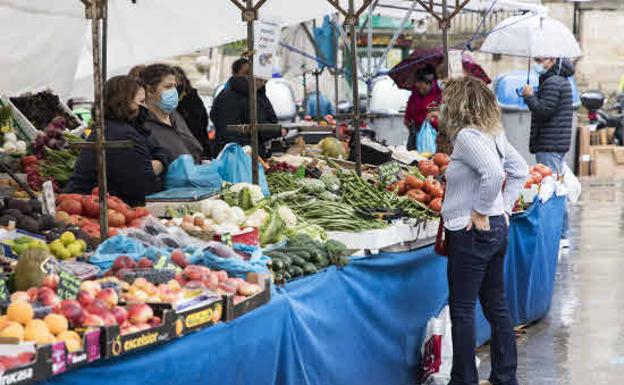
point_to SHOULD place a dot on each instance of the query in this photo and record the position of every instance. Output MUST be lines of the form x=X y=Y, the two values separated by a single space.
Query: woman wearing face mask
x=132 y=173
x=163 y=122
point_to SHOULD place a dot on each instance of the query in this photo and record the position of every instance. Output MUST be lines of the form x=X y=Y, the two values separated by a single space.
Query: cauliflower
x=257 y=219
x=287 y=215
x=255 y=190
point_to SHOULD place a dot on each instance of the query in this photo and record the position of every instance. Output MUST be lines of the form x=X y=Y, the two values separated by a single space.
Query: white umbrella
x=532 y=36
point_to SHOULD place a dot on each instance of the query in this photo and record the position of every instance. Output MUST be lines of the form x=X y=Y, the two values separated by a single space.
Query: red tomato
x=413 y=182
x=436 y=205
x=418 y=195
x=441 y=159
x=537 y=178
x=431 y=184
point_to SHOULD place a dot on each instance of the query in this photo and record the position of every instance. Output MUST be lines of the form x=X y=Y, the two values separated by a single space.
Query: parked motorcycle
x=613 y=116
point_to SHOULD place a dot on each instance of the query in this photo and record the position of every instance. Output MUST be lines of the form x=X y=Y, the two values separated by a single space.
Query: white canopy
x=46 y=44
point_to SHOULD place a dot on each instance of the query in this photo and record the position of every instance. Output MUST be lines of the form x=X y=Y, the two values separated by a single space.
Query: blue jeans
x=556 y=162
x=475 y=270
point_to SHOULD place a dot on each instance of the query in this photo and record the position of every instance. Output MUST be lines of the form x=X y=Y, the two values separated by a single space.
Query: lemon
x=83 y=244
x=75 y=249
x=64 y=253
x=68 y=238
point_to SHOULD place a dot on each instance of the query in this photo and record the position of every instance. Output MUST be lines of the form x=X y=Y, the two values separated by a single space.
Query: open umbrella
x=404 y=73
x=532 y=36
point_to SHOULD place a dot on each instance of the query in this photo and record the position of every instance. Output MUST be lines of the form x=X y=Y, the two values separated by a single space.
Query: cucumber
x=298 y=261
x=322 y=263
x=277 y=265
x=309 y=269
x=296 y=271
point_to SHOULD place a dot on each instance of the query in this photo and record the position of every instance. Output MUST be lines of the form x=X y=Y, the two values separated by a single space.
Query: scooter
x=594 y=102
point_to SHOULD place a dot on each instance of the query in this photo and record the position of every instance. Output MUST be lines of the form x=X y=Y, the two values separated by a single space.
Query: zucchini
x=296 y=271
x=322 y=263
x=309 y=269
x=277 y=265
x=298 y=261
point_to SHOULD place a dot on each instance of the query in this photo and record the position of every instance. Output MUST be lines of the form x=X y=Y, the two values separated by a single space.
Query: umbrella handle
x=529 y=72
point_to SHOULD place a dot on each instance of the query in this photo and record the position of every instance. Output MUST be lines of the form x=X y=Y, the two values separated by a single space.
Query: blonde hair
x=468 y=102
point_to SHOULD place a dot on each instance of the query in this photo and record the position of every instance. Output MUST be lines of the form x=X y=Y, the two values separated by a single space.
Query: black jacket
x=129 y=172
x=231 y=107
x=195 y=115
x=552 y=110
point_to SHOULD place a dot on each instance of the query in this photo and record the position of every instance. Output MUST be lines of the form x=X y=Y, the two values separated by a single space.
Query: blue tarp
x=363 y=324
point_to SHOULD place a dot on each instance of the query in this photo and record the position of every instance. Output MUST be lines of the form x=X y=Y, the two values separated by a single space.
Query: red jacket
x=416 y=111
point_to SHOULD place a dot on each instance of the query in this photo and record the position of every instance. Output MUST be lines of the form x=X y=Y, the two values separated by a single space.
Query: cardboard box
x=233 y=311
x=37 y=370
x=63 y=360
x=197 y=317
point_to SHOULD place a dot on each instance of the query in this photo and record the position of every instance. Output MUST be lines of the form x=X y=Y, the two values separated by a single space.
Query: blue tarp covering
x=507 y=87
x=363 y=324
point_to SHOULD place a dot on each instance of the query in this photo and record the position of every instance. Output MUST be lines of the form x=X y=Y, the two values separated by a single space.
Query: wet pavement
x=581 y=341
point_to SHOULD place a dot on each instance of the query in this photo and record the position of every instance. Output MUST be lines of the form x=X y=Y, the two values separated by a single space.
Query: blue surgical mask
x=168 y=100
x=539 y=69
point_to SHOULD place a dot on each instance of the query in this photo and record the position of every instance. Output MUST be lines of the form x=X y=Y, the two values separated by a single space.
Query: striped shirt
x=479 y=165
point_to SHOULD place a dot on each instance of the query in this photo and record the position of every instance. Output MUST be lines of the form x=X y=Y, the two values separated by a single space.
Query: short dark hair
x=153 y=74
x=238 y=65
x=183 y=81
x=119 y=92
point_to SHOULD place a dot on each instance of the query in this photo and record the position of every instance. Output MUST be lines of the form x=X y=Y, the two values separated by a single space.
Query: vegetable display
x=42 y=108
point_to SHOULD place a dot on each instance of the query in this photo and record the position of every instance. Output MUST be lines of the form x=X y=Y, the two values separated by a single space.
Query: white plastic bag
x=437 y=350
x=572 y=184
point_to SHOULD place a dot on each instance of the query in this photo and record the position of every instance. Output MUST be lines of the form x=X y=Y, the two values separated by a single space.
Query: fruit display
x=22 y=243
x=67 y=246
x=8 y=362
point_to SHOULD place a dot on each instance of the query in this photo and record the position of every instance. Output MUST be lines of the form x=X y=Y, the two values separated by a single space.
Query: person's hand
x=158 y=167
x=527 y=91
x=479 y=222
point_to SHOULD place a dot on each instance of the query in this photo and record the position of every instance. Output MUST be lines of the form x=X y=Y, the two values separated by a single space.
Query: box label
x=69 y=285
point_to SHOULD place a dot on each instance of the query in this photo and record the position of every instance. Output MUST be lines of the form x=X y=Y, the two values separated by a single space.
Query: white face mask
x=539 y=68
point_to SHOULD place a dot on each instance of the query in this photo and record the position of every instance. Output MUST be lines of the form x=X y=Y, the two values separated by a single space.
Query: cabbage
x=331 y=147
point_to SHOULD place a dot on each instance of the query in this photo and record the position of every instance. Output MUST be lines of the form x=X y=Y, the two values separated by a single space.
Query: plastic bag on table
x=437 y=350
x=235 y=167
x=426 y=138
x=253 y=261
x=153 y=233
x=183 y=172
x=109 y=250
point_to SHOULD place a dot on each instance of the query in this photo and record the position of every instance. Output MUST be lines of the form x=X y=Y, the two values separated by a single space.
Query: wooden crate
x=607 y=161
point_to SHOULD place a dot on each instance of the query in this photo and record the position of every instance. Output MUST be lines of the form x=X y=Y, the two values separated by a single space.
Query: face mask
x=168 y=100
x=539 y=69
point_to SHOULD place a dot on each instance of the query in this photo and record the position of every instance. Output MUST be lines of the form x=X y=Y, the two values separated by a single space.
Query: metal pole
x=356 y=92
x=105 y=41
x=305 y=92
x=336 y=71
x=369 y=59
x=445 y=39
x=253 y=112
x=317 y=73
x=100 y=152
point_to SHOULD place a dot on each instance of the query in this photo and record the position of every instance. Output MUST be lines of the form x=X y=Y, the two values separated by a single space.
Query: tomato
x=431 y=170
x=70 y=206
x=543 y=170
x=418 y=195
x=436 y=205
x=528 y=183
x=141 y=212
x=116 y=219
x=413 y=182
x=91 y=206
x=437 y=192
x=431 y=184
x=28 y=161
x=63 y=197
x=441 y=159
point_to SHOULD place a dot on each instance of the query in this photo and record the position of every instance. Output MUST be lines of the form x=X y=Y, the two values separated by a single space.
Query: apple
x=48 y=297
x=120 y=314
x=109 y=297
x=140 y=283
x=228 y=288
x=181 y=279
x=92 y=287
x=85 y=298
x=98 y=307
x=150 y=288
x=193 y=273
x=124 y=262
x=174 y=285
x=32 y=293
x=109 y=319
x=73 y=312
x=51 y=281
x=145 y=263
x=92 y=320
x=144 y=326
x=20 y=296
x=211 y=281
x=178 y=257
x=223 y=275
x=129 y=330
x=140 y=313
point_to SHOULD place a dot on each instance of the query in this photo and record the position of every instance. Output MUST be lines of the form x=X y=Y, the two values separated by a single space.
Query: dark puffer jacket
x=552 y=110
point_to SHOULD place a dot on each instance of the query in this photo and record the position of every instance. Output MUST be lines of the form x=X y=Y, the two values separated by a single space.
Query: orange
x=20 y=312
x=12 y=330
x=56 y=323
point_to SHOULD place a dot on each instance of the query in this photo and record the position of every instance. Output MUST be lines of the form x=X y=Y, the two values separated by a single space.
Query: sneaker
x=564 y=243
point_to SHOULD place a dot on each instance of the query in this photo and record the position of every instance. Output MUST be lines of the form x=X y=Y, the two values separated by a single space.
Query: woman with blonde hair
x=483 y=181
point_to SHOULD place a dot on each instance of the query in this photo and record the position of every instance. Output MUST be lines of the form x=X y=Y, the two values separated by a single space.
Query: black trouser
x=475 y=269
x=411 y=139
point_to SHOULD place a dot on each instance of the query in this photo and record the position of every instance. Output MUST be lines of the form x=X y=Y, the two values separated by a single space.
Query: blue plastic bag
x=183 y=172
x=235 y=167
x=235 y=267
x=109 y=250
x=426 y=138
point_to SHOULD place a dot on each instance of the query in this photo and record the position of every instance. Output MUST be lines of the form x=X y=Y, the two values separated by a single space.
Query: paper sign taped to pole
x=267 y=36
x=456 y=68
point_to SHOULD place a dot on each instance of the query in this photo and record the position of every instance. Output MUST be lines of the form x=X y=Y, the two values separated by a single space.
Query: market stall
x=359 y=324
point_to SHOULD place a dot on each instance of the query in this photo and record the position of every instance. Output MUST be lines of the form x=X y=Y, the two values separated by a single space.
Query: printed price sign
x=4 y=290
x=49 y=200
x=389 y=172
x=50 y=266
x=267 y=35
x=69 y=285
x=163 y=263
